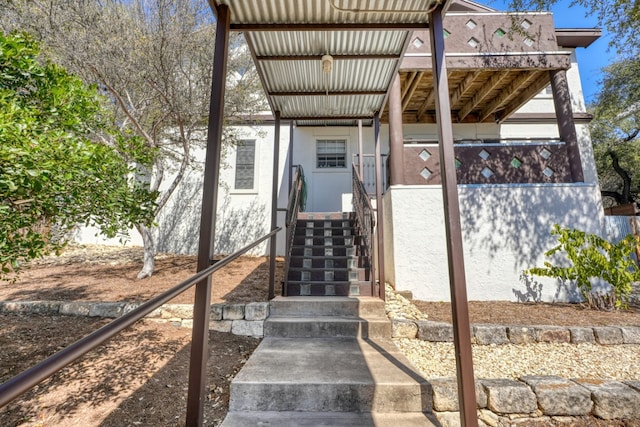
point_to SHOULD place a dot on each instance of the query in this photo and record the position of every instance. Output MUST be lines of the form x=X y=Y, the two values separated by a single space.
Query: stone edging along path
x=239 y=319
x=530 y=400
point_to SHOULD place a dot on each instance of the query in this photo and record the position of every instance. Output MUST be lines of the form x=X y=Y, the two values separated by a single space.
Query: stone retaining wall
x=239 y=319
x=499 y=334
x=540 y=401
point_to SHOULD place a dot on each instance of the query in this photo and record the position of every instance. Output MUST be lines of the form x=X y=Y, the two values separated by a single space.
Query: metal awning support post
x=379 y=213
x=290 y=156
x=201 y=309
x=455 y=253
x=566 y=124
x=360 y=150
x=274 y=206
x=396 y=137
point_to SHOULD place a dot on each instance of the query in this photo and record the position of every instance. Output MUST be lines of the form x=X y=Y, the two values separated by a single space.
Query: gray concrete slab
x=326 y=419
x=333 y=374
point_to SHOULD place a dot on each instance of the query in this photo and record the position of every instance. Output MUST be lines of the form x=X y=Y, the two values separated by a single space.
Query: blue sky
x=591 y=59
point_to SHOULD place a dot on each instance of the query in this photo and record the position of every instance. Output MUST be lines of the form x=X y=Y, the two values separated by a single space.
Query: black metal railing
x=33 y=376
x=297 y=200
x=364 y=222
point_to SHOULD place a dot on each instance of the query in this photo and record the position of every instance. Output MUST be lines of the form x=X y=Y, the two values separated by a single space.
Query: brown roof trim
x=582 y=118
x=577 y=37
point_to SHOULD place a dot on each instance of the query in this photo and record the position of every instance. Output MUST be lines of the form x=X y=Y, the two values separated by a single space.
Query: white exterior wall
x=506 y=230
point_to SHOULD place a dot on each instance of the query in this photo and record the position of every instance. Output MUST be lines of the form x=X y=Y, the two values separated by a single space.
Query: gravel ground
x=620 y=362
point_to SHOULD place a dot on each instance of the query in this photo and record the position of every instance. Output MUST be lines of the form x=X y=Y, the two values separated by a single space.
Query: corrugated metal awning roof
x=365 y=38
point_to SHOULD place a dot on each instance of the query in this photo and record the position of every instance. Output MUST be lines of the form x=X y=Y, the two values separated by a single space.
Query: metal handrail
x=293 y=208
x=24 y=381
x=365 y=221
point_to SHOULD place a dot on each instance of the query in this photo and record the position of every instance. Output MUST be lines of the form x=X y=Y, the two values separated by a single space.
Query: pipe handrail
x=293 y=207
x=23 y=382
x=365 y=221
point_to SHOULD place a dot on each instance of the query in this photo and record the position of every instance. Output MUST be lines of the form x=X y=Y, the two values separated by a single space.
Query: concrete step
x=302 y=240
x=326 y=327
x=328 y=419
x=302 y=306
x=329 y=251
x=324 y=231
x=306 y=216
x=328 y=262
x=328 y=274
x=329 y=375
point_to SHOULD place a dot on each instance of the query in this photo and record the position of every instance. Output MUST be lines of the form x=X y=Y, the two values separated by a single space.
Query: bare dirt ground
x=140 y=377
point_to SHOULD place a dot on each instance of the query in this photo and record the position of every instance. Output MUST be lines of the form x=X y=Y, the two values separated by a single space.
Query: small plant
x=592 y=257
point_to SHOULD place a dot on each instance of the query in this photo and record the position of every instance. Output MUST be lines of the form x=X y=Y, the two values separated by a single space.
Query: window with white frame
x=245 y=164
x=331 y=153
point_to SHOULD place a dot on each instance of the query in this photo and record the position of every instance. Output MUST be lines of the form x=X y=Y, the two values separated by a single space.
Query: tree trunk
x=149 y=251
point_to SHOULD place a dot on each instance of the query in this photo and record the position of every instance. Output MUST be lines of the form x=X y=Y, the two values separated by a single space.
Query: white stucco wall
x=506 y=230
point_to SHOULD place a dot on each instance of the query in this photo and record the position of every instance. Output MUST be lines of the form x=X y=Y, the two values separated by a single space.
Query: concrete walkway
x=328 y=361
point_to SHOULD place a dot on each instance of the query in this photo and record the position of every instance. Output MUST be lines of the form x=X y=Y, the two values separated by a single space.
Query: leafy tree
x=615 y=132
x=54 y=174
x=153 y=60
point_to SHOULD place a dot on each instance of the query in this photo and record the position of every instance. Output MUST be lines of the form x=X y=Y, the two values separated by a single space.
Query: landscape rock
x=216 y=311
x=613 y=399
x=180 y=311
x=445 y=394
x=233 y=312
x=106 y=309
x=552 y=334
x=490 y=334
x=250 y=328
x=220 y=325
x=608 y=335
x=256 y=311
x=581 y=335
x=401 y=328
x=435 y=331
x=559 y=396
x=509 y=396
x=630 y=334
x=521 y=334
x=75 y=308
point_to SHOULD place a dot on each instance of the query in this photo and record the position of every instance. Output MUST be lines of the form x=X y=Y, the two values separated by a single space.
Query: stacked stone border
x=482 y=334
x=541 y=401
x=528 y=401
x=239 y=319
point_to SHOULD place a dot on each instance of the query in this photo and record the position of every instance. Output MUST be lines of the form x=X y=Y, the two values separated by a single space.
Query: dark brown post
x=360 y=151
x=455 y=254
x=396 y=138
x=274 y=207
x=566 y=125
x=200 y=334
x=379 y=214
x=290 y=156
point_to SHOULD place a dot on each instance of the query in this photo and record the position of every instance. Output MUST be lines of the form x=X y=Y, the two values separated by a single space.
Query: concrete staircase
x=328 y=361
x=326 y=257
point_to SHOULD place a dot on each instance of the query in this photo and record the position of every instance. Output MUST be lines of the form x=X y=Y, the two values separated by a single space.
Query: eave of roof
x=577 y=37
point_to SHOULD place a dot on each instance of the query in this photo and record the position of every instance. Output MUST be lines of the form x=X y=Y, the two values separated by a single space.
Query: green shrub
x=591 y=257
